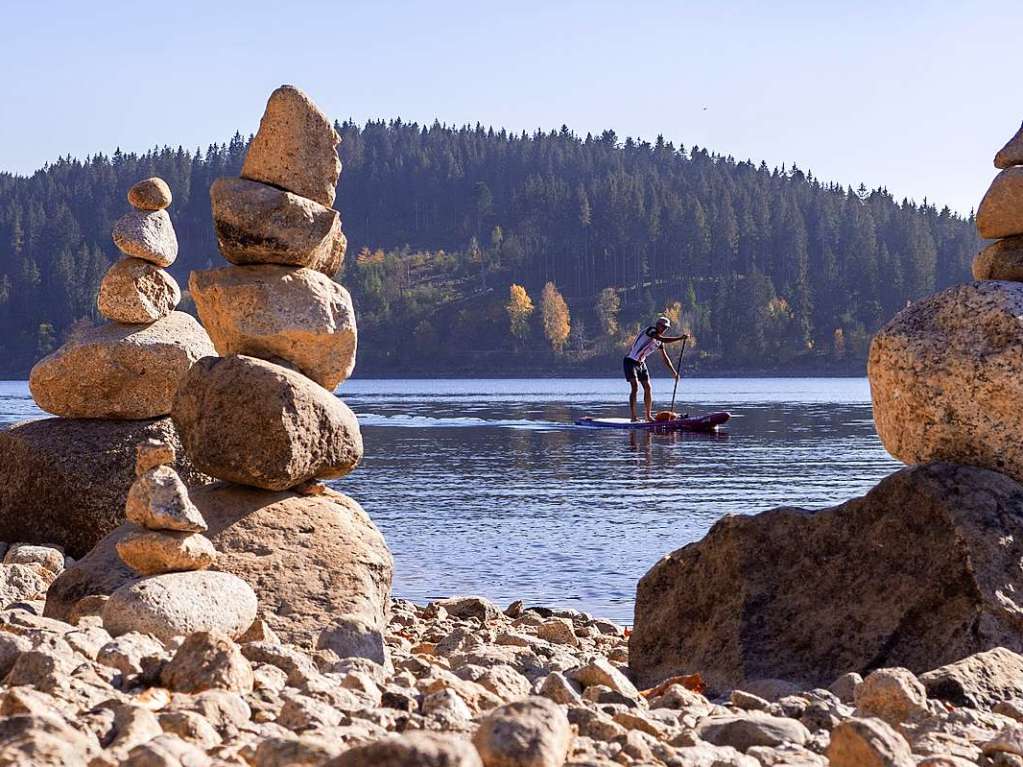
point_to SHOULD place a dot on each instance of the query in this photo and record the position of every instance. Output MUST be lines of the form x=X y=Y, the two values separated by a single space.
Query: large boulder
x=260 y=224
x=295 y=147
x=65 y=481
x=249 y=421
x=298 y=315
x=120 y=371
x=309 y=558
x=946 y=378
x=920 y=572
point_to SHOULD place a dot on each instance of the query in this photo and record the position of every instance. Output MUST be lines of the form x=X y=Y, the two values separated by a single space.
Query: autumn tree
x=556 y=321
x=608 y=306
x=520 y=309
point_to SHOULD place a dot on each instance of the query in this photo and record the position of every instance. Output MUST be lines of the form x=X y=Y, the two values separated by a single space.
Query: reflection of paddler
x=647 y=342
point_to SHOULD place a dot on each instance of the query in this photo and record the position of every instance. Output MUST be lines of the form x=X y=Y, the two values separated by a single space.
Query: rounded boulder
x=136 y=292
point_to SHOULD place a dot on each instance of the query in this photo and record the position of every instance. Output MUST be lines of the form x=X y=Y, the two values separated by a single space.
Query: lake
x=486 y=487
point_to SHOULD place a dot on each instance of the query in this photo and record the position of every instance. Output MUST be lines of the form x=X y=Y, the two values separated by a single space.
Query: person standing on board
x=647 y=342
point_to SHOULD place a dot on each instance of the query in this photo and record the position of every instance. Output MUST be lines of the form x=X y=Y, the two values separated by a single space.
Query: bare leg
x=632 y=399
x=648 y=400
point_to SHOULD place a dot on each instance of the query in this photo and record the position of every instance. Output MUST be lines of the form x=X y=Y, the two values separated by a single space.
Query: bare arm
x=667 y=361
x=672 y=339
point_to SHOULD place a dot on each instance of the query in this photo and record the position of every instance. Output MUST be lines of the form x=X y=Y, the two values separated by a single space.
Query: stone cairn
x=264 y=414
x=176 y=595
x=130 y=367
x=946 y=373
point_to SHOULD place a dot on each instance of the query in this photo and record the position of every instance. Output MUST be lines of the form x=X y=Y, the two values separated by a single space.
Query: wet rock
x=1000 y=213
x=277 y=312
x=260 y=224
x=309 y=557
x=304 y=431
x=295 y=147
x=152 y=552
x=530 y=733
x=1001 y=260
x=752 y=599
x=868 y=743
x=66 y=481
x=148 y=235
x=120 y=371
x=134 y=291
x=179 y=604
x=206 y=661
x=945 y=375
x=979 y=681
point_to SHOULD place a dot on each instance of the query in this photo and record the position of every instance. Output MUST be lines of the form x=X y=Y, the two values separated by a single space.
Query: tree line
x=453 y=230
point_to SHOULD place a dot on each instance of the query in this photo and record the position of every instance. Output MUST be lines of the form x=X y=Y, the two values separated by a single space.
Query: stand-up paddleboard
x=708 y=422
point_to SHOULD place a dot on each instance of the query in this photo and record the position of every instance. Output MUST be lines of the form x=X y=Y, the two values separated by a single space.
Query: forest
x=475 y=251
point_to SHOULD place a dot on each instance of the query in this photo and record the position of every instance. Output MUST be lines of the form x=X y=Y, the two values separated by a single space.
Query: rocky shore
x=459 y=683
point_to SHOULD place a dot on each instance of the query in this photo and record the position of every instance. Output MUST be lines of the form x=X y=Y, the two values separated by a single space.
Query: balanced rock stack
x=1000 y=217
x=129 y=368
x=946 y=373
x=65 y=480
x=264 y=415
x=176 y=595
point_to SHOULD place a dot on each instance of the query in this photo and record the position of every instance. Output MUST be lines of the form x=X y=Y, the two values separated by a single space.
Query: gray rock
x=208 y=660
x=752 y=728
x=534 y=732
x=260 y=224
x=753 y=599
x=412 y=749
x=600 y=671
x=50 y=558
x=979 y=681
x=148 y=235
x=20 y=582
x=179 y=604
x=469 y=607
x=158 y=500
x=66 y=481
x=352 y=637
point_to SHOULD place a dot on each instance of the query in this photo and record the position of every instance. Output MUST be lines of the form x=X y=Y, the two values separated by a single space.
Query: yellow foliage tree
x=608 y=306
x=556 y=321
x=520 y=309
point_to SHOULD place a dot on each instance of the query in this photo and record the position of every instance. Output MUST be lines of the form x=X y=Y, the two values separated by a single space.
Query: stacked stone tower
x=946 y=373
x=264 y=414
x=165 y=544
x=130 y=367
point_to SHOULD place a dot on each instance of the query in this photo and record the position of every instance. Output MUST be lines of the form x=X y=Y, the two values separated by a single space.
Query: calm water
x=485 y=487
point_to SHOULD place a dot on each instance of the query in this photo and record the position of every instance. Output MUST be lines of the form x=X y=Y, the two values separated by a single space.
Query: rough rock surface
x=946 y=378
x=135 y=292
x=148 y=235
x=297 y=315
x=868 y=743
x=151 y=552
x=310 y=558
x=120 y=371
x=66 y=481
x=260 y=224
x=1002 y=260
x=150 y=194
x=1000 y=213
x=178 y=604
x=295 y=147
x=978 y=681
x=532 y=733
x=305 y=432
x=422 y=749
x=808 y=595
x=1012 y=153
x=158 y=500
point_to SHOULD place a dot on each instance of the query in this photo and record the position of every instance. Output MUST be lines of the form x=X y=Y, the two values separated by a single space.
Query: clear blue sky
x=916 y=96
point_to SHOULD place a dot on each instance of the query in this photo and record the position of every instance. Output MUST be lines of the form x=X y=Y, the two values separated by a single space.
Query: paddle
x=670 y=414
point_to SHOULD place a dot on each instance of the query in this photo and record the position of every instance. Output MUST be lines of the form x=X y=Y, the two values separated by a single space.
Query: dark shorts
x=635 y=371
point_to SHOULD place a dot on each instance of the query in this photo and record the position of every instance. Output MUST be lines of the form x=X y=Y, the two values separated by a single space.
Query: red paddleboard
x=708 y=422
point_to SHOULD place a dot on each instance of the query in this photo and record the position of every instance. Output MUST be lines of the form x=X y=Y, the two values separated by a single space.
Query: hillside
x=769 y=269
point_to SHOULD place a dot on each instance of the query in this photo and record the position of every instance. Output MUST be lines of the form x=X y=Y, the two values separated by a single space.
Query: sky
x=913 y=96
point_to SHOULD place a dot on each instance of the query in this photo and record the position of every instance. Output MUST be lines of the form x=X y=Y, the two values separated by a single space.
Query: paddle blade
x=666 y=415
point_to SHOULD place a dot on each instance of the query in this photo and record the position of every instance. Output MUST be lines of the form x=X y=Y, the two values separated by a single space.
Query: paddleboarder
x=647 y=342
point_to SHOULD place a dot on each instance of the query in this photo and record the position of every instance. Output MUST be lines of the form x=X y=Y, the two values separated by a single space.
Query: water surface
x=486 y=487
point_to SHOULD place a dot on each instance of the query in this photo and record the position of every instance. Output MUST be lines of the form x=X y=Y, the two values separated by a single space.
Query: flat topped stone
x=158 y=500
x=148 y=235
x=153 y=452
x=120 y=371
x=136 y=292
x=151 y=552
x=1000 y=213
x=1001 y=260
x=295 y=147
x=150 y=194
x=1012 y=153
x=297 y=315
x=260 y=224
x=180 y=604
